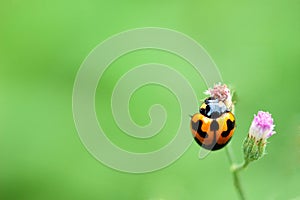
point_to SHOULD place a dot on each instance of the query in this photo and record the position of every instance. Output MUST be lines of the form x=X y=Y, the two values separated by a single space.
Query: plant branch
x=235 y=169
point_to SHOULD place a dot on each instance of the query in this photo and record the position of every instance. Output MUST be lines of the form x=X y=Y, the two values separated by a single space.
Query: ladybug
x=214 y=125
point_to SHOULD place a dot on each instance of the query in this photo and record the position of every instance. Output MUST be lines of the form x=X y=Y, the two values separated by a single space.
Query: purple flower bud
x=262 y=126
x=261 y=129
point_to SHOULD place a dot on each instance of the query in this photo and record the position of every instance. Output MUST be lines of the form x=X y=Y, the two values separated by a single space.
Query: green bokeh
x=42 y=44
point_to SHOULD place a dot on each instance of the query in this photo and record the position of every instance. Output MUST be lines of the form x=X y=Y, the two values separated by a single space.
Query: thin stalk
x=235 y=169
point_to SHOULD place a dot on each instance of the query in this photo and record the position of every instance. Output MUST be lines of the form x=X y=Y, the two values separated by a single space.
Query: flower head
x=262 y=127
x=222 y=93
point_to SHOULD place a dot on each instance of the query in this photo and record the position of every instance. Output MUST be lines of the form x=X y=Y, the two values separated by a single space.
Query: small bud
x=261 y=129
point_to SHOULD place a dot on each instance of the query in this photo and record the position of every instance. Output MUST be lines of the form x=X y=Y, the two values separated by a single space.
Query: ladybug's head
x=213 y=108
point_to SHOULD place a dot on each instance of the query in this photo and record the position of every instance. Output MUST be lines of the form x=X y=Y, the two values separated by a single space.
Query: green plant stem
x=235 y=168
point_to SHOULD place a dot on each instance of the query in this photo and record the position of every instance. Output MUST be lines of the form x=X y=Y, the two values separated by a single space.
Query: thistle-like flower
x=261 y=129
x=222 y=93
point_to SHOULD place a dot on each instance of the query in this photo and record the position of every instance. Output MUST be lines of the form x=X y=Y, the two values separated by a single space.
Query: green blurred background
x=42 y=44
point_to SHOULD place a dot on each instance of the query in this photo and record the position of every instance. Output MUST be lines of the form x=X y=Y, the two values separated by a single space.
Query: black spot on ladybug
x=230 y=126
x=215 y=115
x=197 y=127
x=205 y=111
x=202 y=111
x=214 y=126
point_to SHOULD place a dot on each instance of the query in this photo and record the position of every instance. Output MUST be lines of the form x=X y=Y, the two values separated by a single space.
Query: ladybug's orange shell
x=212 y=134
